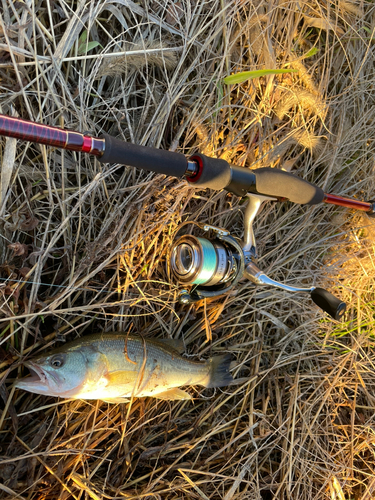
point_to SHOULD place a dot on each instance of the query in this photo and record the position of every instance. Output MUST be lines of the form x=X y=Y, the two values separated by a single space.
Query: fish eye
x=57 y=361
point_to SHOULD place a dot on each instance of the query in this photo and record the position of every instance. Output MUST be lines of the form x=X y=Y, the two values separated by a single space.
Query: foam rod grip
x=274 y=182
x=329 y=303
x=143 y=157
x=214 y=173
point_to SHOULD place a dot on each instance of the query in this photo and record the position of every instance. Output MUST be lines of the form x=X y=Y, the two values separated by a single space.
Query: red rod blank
x=345 y=202
x=50 y=136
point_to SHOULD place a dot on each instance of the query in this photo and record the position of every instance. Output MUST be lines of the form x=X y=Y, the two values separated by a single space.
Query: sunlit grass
x=301 y=426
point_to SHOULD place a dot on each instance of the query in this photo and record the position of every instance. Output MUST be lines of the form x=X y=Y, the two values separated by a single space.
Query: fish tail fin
x=219 y=374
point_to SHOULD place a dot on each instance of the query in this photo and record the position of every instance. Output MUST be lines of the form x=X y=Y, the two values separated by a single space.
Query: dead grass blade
x=7 y=167
x=84 y=246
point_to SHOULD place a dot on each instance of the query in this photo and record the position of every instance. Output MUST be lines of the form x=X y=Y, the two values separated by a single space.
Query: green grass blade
x=310 y=53
x=86 y=47
x=249 y=75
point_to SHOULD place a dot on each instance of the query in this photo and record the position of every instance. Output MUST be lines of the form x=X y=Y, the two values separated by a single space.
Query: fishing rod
x=208 y=267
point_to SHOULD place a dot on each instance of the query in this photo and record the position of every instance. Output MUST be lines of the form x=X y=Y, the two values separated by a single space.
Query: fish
x=115 y=367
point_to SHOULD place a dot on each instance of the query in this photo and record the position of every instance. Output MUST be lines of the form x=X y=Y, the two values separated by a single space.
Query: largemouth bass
x=115 y=367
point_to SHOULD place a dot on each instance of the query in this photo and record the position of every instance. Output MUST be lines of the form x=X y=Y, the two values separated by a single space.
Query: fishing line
x=93 y=289
x=99 y=290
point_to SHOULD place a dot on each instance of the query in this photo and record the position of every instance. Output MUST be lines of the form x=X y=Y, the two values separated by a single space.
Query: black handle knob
x=371 y=213
x=329 y=303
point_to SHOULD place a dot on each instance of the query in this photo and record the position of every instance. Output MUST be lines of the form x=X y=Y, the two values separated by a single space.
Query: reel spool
x=198 y=261
x=210 y=267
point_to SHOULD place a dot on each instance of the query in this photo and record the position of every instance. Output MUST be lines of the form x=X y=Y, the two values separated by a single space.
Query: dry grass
x=89 y=244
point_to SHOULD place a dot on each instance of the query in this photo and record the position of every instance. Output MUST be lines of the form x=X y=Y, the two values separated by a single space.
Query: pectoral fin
x=116 y=400
x=121 y=377
x=173 y=395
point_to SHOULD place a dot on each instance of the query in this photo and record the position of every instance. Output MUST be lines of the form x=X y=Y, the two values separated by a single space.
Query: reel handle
x=325 y=300
x=329 y=303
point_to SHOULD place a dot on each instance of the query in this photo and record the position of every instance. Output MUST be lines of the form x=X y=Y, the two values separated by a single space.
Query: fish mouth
x=37 y=376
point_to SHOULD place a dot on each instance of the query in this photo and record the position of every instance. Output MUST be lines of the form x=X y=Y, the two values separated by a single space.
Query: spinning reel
x=213 y=267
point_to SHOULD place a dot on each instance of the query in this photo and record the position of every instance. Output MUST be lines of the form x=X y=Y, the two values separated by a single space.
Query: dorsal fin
x=175 y=344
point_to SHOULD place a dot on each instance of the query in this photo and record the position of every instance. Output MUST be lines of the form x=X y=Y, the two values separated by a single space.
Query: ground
x=88 y=245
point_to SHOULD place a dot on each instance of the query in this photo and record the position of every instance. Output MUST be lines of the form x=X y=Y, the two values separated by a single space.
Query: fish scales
x=164 y=367
x=115 y=366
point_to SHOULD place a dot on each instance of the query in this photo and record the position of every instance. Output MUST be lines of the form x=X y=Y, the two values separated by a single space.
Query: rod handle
x=329 y=303
x=275 y=182
x=143 y=157
x=218 y=174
